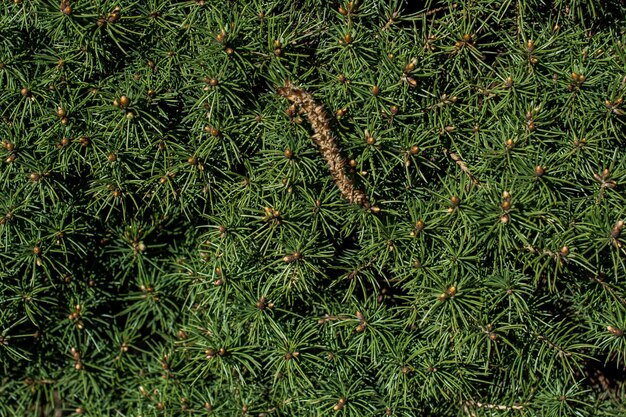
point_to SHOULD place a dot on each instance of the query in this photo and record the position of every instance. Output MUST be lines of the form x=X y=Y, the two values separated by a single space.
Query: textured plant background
x=172 y=242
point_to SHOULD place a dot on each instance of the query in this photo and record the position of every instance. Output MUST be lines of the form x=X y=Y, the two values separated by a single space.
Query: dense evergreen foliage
x=312 y=208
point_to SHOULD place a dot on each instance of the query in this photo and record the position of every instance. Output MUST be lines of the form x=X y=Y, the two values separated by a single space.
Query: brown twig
x=456 y=158
x=559 y=349
x=326 y=143
x=611 y=291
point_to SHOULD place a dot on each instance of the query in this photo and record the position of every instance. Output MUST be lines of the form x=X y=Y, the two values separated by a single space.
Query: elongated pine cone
x=326 y=142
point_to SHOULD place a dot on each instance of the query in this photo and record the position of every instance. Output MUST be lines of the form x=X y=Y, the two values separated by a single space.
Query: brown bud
x=114 y=15
x=455 y=201
x=606 y=173
x=615 y=331
x=452 y=291
x=375 y=90
x=288 y=153
x=564 y=251
x=61 y=112
x=539 y=170
x=112 y=157
x=340 y=404
x=360 y=316
x=616 y=232
x=124 y=101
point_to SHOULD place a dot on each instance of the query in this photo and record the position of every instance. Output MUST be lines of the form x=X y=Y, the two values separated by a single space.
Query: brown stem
x=610 y=290
x=560 y=350
x=456 y=158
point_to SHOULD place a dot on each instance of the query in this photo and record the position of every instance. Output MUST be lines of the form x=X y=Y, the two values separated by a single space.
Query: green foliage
x=172 y=242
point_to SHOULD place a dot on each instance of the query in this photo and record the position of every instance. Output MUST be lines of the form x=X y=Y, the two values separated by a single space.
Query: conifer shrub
x=312 y=208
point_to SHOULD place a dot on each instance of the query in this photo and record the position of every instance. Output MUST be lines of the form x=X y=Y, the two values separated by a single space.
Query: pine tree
x=312 y=208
